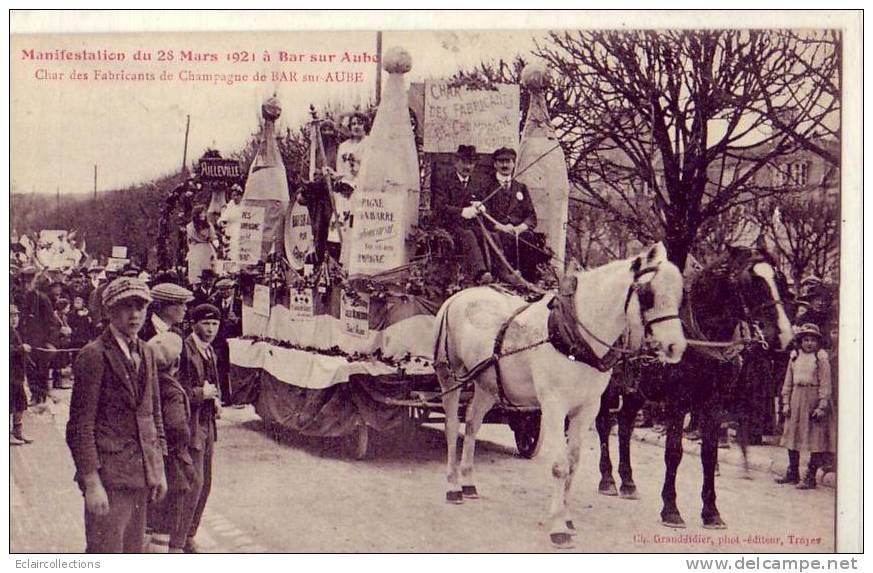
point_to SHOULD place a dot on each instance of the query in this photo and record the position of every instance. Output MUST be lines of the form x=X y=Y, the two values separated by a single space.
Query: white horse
x=639 y=296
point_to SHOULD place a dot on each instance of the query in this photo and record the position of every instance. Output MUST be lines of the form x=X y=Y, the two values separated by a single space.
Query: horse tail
x=441 y=340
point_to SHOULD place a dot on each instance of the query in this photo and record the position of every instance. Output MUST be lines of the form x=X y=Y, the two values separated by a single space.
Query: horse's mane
x=709 y=292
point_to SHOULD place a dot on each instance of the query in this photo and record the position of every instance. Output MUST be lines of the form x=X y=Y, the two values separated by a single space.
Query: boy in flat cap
x=199 y=378
x=169 y=305
x=115 y=432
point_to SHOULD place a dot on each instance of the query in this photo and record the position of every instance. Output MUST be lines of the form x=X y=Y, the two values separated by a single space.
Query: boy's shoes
x=807 y=483
x=788 y=478
x=13 y=441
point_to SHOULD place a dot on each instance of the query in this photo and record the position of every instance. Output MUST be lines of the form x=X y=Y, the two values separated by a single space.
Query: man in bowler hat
x=455 y=201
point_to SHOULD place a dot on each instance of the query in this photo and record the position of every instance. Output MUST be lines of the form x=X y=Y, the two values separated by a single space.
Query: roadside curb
x=766 y=459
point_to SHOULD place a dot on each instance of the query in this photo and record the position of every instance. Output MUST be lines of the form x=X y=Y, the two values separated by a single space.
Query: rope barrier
x=41 y=349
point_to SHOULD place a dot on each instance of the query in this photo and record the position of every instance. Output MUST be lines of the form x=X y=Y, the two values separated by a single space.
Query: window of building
x=799 y=173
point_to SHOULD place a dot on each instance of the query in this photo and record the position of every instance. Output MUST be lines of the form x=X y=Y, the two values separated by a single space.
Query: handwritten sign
x=116 y=263
x=226 y=266
x=301 y=306
x=298 y=237
x=251 y=233
x=355 y=315
x=378 y=237
x=261 y=300
x=484 y=118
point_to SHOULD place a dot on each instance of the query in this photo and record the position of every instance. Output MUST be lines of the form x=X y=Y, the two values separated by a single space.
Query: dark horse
x=732 y=310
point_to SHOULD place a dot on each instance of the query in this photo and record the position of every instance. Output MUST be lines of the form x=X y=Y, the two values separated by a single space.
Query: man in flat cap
x=169 y=304
x=229 y=303
x=512 y=215
x=456 y=199
x=38 y=325
x=198 y=375
x=115 y=432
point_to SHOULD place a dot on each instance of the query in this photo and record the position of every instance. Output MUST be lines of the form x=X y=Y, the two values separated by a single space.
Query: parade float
x=336 y=350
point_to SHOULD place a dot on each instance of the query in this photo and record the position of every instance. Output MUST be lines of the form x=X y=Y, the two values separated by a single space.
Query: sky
x=134 y=131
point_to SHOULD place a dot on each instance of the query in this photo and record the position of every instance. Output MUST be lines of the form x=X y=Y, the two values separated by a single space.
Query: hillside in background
x=126 y=217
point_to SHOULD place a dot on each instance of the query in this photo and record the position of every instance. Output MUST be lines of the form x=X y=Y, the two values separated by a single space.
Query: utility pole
x=378 y=67
x=185 y=151
x=95 y=182
x=58 y=206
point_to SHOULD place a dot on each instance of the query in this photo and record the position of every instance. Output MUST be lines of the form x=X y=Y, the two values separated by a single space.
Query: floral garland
x=376 y=356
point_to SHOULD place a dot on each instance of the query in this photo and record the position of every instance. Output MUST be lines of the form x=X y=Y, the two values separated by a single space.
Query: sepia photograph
x=413 y=283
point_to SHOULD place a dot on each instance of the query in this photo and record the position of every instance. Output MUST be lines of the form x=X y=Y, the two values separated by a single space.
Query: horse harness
x=563 y=333
x=745 y=334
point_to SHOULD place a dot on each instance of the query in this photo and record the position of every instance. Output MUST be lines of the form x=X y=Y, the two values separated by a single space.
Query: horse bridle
x=757 y=335
x=646 y=296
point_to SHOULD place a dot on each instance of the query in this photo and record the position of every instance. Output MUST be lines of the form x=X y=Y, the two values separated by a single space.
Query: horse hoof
x=607 y=488
x=714 y=522
x=673 y=520
x=629 y=493
x=562 y=540
x=469 y=491
x=455 y=497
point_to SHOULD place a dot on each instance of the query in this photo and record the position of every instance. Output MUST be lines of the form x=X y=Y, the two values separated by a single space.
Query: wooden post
x=185 y=150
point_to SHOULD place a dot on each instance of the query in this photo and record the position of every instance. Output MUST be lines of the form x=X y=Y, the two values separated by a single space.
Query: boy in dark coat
x=115 y=432
x=199 y=377
x=166 y=518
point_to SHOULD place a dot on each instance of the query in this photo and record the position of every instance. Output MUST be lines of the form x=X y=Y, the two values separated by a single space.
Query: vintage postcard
x=501 y=282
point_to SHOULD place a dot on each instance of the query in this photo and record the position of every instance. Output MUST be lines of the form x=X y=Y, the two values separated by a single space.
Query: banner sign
x=298 y=237
x=116 y=263
x=261 y=300
x=355 y=315
x=300 y=305
x=226 y=266
x=251 y=233
x=454 y=115
x=378 y=243
x=213 y=169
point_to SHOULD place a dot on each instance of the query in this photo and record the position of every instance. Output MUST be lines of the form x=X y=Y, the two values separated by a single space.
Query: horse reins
x=493 y=360
x=756 y=335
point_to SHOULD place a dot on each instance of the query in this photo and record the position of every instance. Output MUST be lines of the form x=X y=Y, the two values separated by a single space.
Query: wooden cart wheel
x=357 y=444
x=526 y=428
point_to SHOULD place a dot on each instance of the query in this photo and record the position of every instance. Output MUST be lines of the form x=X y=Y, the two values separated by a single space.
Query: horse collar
x=564 y=335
